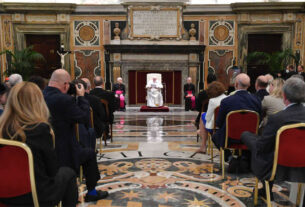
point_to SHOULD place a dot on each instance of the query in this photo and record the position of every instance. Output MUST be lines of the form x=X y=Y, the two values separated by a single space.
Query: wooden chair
x=210 y=143
x=17 y=170
x=289 y=152
x=236 y=123
x=106 y=104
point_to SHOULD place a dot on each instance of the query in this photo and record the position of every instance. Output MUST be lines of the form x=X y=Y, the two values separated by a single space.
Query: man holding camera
x=65 y=113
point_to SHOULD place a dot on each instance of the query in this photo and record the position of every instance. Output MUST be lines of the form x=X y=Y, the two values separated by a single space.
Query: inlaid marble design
x=150 y=164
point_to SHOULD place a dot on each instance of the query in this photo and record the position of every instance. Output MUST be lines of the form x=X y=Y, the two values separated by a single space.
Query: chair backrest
x=239 y=121
x=105 y=102
x=16 y=170
x=91 y=118
x=216 y=110
x=289 y=147
x=150 y=76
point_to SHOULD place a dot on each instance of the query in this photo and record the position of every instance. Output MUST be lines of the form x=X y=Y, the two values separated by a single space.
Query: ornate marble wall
x=85 y=29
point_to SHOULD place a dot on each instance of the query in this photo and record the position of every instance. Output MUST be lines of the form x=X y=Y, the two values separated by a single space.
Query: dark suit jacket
x=260 y=94
x=118 y=86
x=189 y=87
x=65 y=113
x=202 y=98
x=262 y=147
x=99 y=114
x=109 y=96
x=46 y=166
x=240 y=100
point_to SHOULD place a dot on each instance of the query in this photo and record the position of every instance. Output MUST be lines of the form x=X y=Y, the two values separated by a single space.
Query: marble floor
x=149 y=164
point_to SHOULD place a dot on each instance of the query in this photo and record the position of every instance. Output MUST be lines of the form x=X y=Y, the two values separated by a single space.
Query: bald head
x=242 y=81
x=60 y=79
x=60 y=75
x=88 y=88
x=261 y=82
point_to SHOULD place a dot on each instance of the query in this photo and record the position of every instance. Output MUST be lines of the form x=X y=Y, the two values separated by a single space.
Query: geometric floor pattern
x=149 y=164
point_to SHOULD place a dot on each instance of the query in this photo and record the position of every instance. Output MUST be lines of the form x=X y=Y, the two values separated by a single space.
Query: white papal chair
x=150 y=76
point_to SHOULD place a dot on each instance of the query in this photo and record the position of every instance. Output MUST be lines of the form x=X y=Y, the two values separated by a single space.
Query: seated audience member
x=189 y=95
x=260 y=86
x=39 y=81
x=215 y=93
x=65 y=113
x=269 y=78
x=301 y=71
x=119 y=91
x=274 y=102
x=25 y=119
x=99 y=112
x=241 y=99
x=100 y=92
x=202 y=99
x=3 y=96
x=14 y=79
x=262 y=147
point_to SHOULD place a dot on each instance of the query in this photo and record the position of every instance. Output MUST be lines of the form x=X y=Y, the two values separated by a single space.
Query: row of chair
x=289 y=147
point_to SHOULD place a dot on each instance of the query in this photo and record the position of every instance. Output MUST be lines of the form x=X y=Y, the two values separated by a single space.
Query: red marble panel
x=220 y=61
x=87 y=62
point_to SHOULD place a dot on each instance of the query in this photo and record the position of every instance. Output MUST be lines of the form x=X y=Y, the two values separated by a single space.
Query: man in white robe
x=154 y=96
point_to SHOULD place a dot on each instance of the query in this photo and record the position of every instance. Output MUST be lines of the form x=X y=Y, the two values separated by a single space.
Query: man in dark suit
x=262 y=147
x=301 y=71
x=261 y=84
x=65 y=113
x=119 y=91
x=189 y=95
x=103 y=94
x=241 y=99
x=99 y=112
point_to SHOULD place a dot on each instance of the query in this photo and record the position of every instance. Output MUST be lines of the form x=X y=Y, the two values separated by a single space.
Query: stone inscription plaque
x=155 y=23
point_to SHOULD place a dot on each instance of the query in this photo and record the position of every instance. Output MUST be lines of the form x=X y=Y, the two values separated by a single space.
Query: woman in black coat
x=25 y=119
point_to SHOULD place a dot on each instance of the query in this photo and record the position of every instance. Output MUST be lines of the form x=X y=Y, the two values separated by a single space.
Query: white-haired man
x=14 y=79
x=154 y=95
x=189 y=95
x=119 y=91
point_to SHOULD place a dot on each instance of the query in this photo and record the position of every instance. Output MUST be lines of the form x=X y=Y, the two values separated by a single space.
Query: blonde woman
x=25 y=119
x=274 y=102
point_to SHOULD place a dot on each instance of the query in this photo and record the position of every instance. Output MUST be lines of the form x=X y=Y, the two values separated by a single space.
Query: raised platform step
x=154 y=109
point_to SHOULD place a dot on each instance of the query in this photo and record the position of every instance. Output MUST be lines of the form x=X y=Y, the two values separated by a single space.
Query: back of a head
x=297 y=76
x=242 y=81
x=277 y=90
x=294 y=90
x=98 y=81
x=60 y=76
x=14 y=79
x=262 y=82
x=215 y=89
x=211 y=77
x=25 y=106
x=39 y=81
x=86 y=80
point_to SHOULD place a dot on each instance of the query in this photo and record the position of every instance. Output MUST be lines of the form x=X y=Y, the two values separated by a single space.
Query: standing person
x=119 y=91
x=65 y=113
x=189 y=95
x=25 y=119
x=301 y=71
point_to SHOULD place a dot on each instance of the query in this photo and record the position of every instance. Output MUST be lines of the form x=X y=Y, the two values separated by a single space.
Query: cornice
x=207 y=9
x=61 y=8
x=268 y=6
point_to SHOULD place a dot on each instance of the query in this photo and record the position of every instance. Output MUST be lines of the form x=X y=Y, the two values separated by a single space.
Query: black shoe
x=100 y=195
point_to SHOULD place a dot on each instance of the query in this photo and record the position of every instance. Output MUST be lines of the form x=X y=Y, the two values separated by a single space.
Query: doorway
x=268 y=43
x=47 y=45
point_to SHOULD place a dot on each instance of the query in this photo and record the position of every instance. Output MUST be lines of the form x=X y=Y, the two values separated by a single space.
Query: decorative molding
x=221 y=33
x=39 y=8
x=268 y=6
x=86 y=33
x=87 y=63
